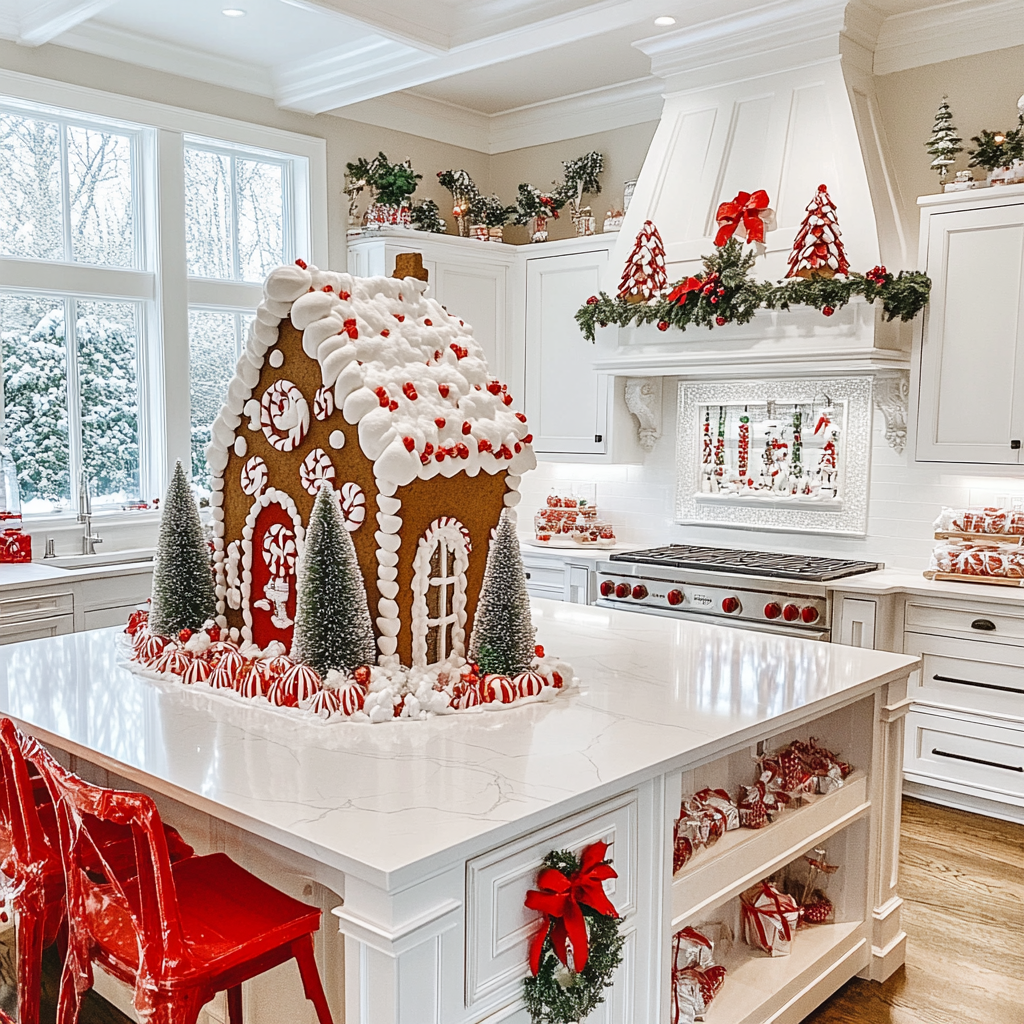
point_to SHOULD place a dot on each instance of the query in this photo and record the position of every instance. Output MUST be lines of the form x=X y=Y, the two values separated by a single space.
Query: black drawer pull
x=986 y=624
x=978 y=760
x=981 y=686
x=527 y=575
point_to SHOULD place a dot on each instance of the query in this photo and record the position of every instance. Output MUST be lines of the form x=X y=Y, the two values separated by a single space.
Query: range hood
x=781 y=97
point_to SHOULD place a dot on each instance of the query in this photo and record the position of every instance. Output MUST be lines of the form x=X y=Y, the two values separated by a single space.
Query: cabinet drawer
x=34 y=606
x=956 y=752
x=968 y=675
x=500 y=927
x=53 y=625
x=985 y=622
x=545 y=576
x=551 y=593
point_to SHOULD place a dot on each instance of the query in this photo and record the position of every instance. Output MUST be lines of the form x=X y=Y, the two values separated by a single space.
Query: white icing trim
x=452 y=536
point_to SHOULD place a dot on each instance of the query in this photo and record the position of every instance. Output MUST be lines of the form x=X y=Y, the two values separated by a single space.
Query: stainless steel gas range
x=751 y=589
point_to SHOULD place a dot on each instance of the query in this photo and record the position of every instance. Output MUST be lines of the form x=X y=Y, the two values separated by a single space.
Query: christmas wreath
x=578 y=947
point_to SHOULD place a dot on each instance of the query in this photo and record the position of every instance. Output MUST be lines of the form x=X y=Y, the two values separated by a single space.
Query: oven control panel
x=769 y=607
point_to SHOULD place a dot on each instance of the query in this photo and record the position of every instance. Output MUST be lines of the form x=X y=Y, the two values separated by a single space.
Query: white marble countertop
x=391 y=802
x=903 y=581
x=19 y=575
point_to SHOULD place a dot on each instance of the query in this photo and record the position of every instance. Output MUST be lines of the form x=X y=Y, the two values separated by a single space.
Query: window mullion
x=236 y=261
x=76 y=459
x=65 y=193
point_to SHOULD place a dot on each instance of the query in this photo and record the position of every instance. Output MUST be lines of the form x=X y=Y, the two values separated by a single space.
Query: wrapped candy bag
x=758 y=806
x=770 y=919
x=696 y=978
x=806 y=883
x=718 y=803
x=981 y=520
x=703 y=819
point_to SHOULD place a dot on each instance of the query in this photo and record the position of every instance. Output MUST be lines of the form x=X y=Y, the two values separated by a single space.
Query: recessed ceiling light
x=233 y=12
x=664 y=21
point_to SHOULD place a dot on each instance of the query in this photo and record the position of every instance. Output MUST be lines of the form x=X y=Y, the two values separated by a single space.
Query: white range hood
x=779 y=97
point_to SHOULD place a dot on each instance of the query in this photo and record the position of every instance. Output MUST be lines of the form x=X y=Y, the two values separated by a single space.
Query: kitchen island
x=423 y=837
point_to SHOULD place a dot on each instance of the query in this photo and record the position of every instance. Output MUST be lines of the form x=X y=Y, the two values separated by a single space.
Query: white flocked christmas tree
x=333 y=629
x=183 y=594
x=503 y=633
x=644 y=276
x=944 y=143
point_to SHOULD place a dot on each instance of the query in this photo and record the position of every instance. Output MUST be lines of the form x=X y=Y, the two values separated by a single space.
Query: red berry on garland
x=720 y=320
x=828 y=311
x=662 y=325
x=713 y=300
x=592 y=301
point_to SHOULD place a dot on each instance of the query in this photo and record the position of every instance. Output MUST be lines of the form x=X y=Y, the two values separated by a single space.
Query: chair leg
x=302 y=949
x=30 y=964
x=180 y=1008
x=235 y=1005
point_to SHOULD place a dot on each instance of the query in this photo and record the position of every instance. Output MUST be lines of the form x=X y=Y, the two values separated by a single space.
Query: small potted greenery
x=390 y=185
x=1001 y=154
x=581 y=177
x=491 y=215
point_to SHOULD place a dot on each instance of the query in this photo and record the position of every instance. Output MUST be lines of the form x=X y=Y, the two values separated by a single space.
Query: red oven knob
x=772 y=610
x=809 y=614
x=730 y=604
x=607 y=588
x=791 y=613
x=622 y=590
x=639 y=592
x=675 y=597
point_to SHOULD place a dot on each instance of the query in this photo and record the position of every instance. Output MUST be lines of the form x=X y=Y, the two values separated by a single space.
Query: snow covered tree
x=818 y=250
x=581 y=177
x=944 y=143
x=333 y=629
x=644 y=276
x=426 y=216
x=183 y=594
x=503 y=633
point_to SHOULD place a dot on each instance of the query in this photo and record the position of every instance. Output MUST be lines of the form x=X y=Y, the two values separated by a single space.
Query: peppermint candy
x=529 y=684
x=197 y=671
x=353 y=506
x=254 y=682
x=254 y=476
x=304 y=682
x=315 y=469
x=325 y=703
x=499 y=689
x=351 y=697
x=284 y=415
x=323 y=403
x=173 y=660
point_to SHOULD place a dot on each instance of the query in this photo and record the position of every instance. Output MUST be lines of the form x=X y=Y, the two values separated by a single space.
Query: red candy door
x=272 y=580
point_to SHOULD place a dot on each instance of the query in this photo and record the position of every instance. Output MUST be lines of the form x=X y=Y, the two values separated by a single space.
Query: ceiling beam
x=423 y=24
x=42 y=21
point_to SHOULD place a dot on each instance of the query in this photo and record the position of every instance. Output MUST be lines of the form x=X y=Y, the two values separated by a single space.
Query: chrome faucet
x=89 y=540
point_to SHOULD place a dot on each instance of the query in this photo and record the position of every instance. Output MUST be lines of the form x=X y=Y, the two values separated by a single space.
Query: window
x=439 y=592
x=110 y=314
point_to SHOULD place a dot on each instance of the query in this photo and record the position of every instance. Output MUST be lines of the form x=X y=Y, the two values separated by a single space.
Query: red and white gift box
x=770 y=919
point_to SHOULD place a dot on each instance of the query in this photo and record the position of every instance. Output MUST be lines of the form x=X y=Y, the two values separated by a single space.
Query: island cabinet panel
x=501 y=927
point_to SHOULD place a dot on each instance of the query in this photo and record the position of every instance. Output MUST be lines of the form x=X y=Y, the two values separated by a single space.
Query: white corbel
x=892 y=393
x=643 y=400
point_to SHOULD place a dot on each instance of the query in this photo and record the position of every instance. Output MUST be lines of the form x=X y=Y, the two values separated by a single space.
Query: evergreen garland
x=183 y=593
x=492 y=212
x=426 y=215
x=503 y=635
x=333 y=629
x=726 y=293
x=558 y=995
x=391 y=184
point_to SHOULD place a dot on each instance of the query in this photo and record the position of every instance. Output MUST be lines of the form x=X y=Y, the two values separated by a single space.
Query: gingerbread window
x=439 y=592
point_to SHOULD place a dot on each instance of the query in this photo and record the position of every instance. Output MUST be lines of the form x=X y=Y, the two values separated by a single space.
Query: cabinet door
x=476 y=293
x=566 y=401
x=972 y=357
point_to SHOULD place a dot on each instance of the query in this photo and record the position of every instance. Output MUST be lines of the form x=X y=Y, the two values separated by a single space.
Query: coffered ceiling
x=489 y=74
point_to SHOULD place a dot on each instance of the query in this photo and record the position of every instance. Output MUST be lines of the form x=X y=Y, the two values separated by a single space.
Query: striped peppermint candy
x=198 y=671
x=351 y=696
x=152 y=647
x=253 y=683
x=499 y=689
x=230 y=660
x=222 y=678
x=280 y=696
x=529 y=683
x=467 y=697
x=325 y=703
x=302 y=681
x=173 y=661
x=139 y=637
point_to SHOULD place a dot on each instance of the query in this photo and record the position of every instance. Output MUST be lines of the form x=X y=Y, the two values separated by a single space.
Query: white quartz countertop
x=391 y=802
x=19 y=575
x=902 y=581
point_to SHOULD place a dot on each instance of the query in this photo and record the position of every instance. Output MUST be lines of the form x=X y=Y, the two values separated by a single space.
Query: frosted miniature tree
x=332 y=618
x=503 y=634
x=818 y=249
x=944 y=143
x=183 y=594
x=644 y=275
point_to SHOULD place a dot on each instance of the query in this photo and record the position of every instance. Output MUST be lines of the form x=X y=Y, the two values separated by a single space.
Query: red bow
x=681 y=291
x=745 y=209
x=560 y=899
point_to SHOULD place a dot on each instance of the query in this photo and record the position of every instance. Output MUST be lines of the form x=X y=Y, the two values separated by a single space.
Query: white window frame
x=162 y=283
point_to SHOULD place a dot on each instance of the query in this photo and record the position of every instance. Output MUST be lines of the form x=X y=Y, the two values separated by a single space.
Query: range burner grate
x=750 y=563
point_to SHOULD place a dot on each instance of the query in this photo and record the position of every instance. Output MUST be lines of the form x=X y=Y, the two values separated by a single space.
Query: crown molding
x=948 y=31
x=567 y=117
x=117 y=44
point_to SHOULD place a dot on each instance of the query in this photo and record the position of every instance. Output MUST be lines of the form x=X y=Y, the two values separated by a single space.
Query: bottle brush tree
x=503 y=633
x=333 y=629
x=183 y=594
x=944 y=143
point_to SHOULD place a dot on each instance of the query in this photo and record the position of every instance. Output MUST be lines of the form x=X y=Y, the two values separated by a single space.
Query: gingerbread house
x=371 y=385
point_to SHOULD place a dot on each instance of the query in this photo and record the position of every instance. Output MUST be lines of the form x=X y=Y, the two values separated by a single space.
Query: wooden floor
x=962 y=881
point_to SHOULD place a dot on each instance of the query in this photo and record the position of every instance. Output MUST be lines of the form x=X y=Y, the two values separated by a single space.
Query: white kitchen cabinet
x=971 y=368
x=558 y=576
x=566 y=399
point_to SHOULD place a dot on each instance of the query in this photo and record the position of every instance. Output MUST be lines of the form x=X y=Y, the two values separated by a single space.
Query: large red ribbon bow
x=682 y=290
x=745 y=209
x=559 y=900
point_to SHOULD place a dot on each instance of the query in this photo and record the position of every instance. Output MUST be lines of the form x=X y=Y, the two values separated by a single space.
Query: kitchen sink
x=100 y=559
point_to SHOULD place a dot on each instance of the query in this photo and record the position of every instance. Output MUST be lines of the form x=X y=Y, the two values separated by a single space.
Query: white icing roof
x=390 y=352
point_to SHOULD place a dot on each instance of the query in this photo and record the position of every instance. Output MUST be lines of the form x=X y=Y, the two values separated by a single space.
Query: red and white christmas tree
x=644 y=276
x=818 y=249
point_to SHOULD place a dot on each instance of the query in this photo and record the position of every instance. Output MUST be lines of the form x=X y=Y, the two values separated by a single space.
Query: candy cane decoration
x=254 y=476
x=280 y=554
x=315 y=469
x=323 y=403
x=284 y=415
x=353 y=506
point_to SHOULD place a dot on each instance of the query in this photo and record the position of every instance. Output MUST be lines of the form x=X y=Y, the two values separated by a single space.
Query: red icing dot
x=429 y=323
x=400 y=317
x=328 y=288
x=385 y=333
x=301 y=263
x=528 y=439
x=440 y=421
x=467 y=428
x=507 y=399
x=462 y=451
x=410 y=391
x=393 y=406
x=409 y=442
x=424 y=458
x=344 y=296
x=518 y=447
x=443 y=390
x=520 y=417
x=428 y=449
x=483 y=445
x=440 y=455
x=494 y=387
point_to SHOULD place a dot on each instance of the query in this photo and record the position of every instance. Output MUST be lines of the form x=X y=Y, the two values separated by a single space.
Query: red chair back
x=29 y=854
x=138 y=897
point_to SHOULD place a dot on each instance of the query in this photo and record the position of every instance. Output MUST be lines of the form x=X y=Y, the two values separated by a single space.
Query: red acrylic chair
x=179 y=933
x=32 y=872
